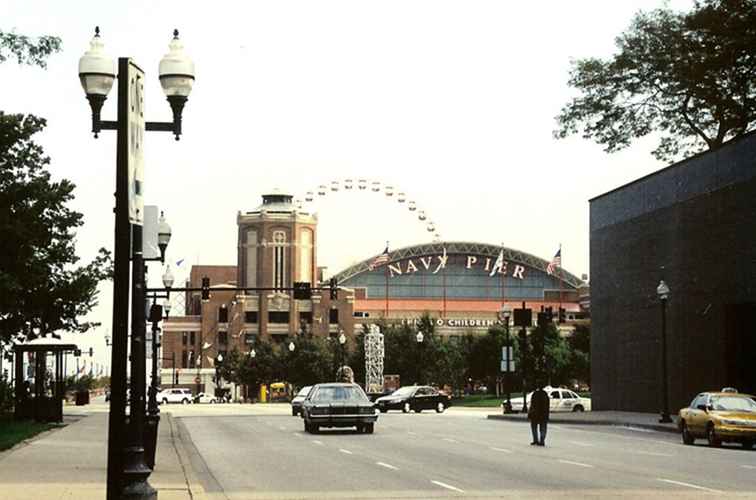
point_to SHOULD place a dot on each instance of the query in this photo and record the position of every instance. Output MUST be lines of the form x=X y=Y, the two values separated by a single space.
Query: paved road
x=263 y=452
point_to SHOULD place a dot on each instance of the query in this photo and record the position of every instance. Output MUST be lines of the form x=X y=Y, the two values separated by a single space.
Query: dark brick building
x=692 y=224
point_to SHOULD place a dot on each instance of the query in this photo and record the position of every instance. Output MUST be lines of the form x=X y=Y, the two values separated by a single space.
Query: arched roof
x=461 y=247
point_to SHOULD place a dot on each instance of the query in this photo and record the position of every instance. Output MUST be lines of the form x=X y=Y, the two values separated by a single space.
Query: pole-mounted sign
x=136 y=127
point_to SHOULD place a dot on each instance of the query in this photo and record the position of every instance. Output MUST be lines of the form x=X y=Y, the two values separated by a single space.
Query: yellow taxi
x=726 y=416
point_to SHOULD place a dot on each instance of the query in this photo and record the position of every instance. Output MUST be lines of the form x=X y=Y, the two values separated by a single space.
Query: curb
x=557 y=420
x=196 y=491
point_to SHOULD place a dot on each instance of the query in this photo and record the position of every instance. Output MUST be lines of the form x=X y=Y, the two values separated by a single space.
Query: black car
x=414 y=397
x=338 y=405
x=296 y=403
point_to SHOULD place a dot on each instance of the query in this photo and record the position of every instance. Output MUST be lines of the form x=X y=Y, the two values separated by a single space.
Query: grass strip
x=13 y=432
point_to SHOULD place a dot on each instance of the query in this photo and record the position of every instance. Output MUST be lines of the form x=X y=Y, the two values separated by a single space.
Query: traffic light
x=562 y=315
x=175 y=377
x=334 y=285
x=205 y=289
x=91 y=352
x=77 y=352
x=302 y=290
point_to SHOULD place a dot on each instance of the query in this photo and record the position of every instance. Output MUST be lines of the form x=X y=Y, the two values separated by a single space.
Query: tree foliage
x=28 y=50
x=690 y=77
x=41 y=290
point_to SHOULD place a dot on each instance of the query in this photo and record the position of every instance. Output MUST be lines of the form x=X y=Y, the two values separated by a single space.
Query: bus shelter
x=40 y=389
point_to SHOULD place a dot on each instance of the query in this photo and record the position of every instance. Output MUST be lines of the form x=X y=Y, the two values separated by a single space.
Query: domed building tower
x=276 y=248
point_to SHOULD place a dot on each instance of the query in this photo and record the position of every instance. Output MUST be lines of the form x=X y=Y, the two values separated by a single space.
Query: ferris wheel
x=372 y=187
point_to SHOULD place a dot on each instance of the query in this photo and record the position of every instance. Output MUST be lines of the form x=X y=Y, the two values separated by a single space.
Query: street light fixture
x=342 y=341
x=663 y=292
x=164 y=237
x=419 y=338
x=127 y=471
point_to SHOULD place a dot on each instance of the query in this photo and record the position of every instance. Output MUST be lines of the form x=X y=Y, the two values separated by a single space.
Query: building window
x=192 y=338
x=223 y=338
x=305 y=317
x=184 y=363
x=192 y=360
x=305 y=255
x=251 y=273
x=223 y=314
x=278 y=317
x=361 y=314
x=333 y=316
x=250 y=338
x=184 y=338
x=250 y=316
x=279 y=241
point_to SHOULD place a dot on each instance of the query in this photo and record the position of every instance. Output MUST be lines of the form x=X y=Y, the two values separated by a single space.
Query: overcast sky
x=452 y=103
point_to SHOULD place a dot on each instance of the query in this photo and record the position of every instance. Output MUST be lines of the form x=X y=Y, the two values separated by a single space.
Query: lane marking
x=651 y=453
x=636 y=429
x=579 y=443
x=576 y=463
x=450 y=440
x=282 y=428
x=447 y=486
x=679 y=483
x=342 y=450
x=412 y=433
x=502 y=450
x=388 y=466
x=749 y=466
x=317 y=442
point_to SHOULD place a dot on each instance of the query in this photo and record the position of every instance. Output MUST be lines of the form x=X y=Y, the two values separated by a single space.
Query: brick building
x=693 y=225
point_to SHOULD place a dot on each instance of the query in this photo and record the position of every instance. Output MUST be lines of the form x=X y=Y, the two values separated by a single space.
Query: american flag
x=381 y=259
x=555 y=262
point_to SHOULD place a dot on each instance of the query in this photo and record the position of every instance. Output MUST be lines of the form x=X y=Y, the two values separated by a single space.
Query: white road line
x=282 y=428
x=651 y=453
x=450 y=440
x=342 y=450
x=317 y=442
x=576 y=463
x=502 y=450
x=636 y=429
x=749 y=466
x=388 y=466
x=447 y=486
x=690 y=485
x=579 y=443
x=412 y=433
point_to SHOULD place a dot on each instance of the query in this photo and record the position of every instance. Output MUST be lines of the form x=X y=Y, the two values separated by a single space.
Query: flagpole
x=561 y=277
x=386 y=273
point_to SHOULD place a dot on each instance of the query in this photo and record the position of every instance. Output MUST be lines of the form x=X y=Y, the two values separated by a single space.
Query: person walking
x=539 y=416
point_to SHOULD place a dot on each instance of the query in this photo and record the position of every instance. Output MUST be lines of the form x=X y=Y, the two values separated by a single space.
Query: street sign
x=135 y=137
x=150 y=248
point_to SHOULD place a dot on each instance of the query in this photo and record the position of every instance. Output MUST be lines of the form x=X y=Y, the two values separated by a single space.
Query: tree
x=27 y=50
x=687 y=76
x=40 y=289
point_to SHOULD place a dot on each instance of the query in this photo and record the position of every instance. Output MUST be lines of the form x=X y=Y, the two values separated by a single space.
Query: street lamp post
x=506 y=312
x=342 y=341
x=127 y=473
x=218 y=361
x=663 y=292
x=419 y=339
x=292 y=347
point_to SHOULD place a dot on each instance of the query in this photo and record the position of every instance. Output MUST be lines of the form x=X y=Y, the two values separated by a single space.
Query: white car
x=204 y=398
x=183 y=396
x=559 y=400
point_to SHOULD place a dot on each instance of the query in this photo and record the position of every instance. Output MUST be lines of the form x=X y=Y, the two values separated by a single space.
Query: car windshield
x=404 y=391
x=730 y=403
x=339 y=393
x=304 y=391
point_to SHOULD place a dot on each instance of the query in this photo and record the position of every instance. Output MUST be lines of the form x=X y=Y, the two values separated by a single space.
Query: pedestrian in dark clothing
x=539 y=416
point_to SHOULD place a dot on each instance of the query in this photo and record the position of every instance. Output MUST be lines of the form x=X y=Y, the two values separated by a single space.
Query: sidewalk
x=71 y=462
x=619 y=418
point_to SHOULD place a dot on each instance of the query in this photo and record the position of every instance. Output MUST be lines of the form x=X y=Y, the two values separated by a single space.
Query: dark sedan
x=338 y=405
x=414 y=397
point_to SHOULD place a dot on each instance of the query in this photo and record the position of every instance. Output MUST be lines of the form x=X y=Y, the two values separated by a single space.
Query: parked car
x=296 y=403
x=416 y=398
x=204 y=398
x=338 y=405
x=183 y=396
x=719 y=417
x=559 y=400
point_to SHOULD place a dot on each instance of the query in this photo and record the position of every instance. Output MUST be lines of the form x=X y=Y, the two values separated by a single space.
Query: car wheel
x=418 y=409
x=747 y=444
x=360 y=428
x=184 y=401
x=578 y=408
x=440 y=408
x=212 y=401
x=293 y=412
x=406 y=408
x=307 y=427
x=383 y=410
x=687 y=437
x=369 y=428
x=711 y=436
x=315 y=428
x=165 y=401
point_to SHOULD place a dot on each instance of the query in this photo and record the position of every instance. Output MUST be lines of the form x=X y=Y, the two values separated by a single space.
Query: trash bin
x=82 y=398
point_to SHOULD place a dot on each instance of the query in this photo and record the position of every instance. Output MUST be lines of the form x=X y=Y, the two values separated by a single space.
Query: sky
x=450 y=102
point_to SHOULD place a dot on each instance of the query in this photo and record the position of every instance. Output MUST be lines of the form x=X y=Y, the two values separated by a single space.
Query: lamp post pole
x=506 y=313
x=419 y=339
x=663 y=292
x=127 y=473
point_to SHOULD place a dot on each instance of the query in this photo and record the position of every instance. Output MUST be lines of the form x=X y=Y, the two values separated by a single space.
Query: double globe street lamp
x=127 y=472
